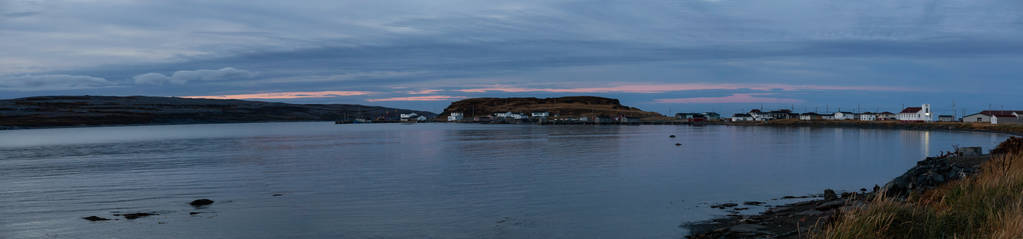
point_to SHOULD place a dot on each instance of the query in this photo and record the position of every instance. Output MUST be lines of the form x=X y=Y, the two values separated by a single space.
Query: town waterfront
x=317 y=179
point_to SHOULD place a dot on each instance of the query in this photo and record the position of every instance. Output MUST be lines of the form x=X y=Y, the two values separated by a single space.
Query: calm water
x=428 y=180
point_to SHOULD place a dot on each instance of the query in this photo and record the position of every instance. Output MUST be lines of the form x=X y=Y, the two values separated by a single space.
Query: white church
x=922 y=113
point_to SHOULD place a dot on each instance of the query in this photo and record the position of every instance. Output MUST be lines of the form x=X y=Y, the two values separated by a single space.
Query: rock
x=671 y=136
x=193 y=213
x=278 y=195
x=863 y=190
x=809 y=213
x=724 y=205
x=201 y=202
x=678 y=144
x=95 y=218
x=938 y=178
x=747 y=228
x=753 y=203
x=830 y=205
x=133 y=216
x=829 y=195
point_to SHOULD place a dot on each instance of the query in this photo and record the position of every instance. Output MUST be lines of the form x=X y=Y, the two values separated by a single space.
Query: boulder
x=201 y=202
x=95 y=218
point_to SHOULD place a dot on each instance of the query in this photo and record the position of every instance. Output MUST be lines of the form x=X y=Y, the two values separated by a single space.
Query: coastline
x=801 y=219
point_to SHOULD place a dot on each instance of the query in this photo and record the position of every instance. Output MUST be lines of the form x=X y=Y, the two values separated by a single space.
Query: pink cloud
x=283 y=95
x=734 y=98
x=419 y=98
x=422 y=92
x=661 y=88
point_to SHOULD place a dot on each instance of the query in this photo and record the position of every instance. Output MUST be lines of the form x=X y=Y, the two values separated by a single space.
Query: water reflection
x=429 y=180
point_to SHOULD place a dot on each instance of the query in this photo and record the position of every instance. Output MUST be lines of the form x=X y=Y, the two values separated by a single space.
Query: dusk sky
x=664 y=56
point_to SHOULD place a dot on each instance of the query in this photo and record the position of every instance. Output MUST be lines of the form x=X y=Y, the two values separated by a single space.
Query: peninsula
x=66 y=111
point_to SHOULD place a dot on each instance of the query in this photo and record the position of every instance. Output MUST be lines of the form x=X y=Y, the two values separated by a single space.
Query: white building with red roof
x=922 y=113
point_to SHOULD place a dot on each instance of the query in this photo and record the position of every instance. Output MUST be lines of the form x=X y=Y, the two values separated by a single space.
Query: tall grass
x=986 y=205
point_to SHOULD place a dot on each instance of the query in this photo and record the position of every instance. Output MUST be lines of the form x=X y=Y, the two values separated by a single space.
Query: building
x=946 y=118
x=742 y=117
x=781 y=114
x=540 y=114
x=868 y=116
x=409 y=117
x=886 y=116
x=712 y=116
x=686 y=116
x=995 y=117
x=509 y=115
x=845 y=116
x=421 y=118
x=810 y=116
x=455 y=116
x=922 y=113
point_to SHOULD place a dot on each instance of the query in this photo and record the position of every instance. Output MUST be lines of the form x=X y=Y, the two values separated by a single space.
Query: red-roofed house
x=996 y=117
x=922 y=113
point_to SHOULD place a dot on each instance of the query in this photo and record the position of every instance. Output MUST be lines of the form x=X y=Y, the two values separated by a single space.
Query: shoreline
x=799 y=219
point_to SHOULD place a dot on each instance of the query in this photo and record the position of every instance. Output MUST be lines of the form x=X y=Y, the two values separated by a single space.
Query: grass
x=986 y=205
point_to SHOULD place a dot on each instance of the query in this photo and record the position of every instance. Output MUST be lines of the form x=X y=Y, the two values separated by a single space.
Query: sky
x=666 y=56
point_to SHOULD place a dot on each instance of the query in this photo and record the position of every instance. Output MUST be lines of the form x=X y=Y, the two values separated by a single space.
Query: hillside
x=54 y=111
x=573 y=106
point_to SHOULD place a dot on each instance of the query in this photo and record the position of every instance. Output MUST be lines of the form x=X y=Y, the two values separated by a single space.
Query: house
x=868 y=116
x=508 y=115
x=781 y=114
x=742 y=117
x=760 y=115
x=810 y=116
x=601 y=119
x=686 y=116
x=886 y=116
x=712 y=116
x=584 y=118
x=922 y=113
x=626 y=119
x=421 y=118
x=995 y=117
x=409 y=117
x=946 y=118
x=845 y=116
x=455 y=116
x=540 y=114
x=828 y=117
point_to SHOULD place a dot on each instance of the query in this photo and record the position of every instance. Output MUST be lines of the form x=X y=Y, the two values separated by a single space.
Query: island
x=72 y=111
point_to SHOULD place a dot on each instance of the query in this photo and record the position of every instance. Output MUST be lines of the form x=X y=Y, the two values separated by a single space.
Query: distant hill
x=572 y=106
x=53 y=111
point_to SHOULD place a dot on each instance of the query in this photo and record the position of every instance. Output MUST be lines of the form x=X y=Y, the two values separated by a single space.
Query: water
x=428 y=180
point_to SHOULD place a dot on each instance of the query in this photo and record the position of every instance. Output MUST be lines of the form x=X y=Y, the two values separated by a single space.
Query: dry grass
x=986 y=205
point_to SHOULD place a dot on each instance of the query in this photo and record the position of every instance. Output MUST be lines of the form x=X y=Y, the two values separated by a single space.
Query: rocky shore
x=797 y=220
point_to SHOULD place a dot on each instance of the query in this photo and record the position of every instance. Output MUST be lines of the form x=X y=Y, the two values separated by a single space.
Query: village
x=922 y=113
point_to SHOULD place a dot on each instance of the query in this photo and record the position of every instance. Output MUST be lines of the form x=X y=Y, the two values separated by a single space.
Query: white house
x=868 y=116
x=886 y=116
x=742 y=117
x=981 y=117
x=409 y=116
x=421 y=118
x=455 y=116
x=509 y=115
x=540 y=114
x=810 y=116
x=922 y=113
x=845 y=116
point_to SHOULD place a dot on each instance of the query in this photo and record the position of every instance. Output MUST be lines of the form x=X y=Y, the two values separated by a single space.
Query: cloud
x=182 y=77
x=52 y=82
x=283 y=95
x=419 y=98
x=423 y=92
x=669 y=87
x=734 y=98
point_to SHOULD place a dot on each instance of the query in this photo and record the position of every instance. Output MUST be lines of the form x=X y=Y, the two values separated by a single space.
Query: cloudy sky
x=665 y=56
